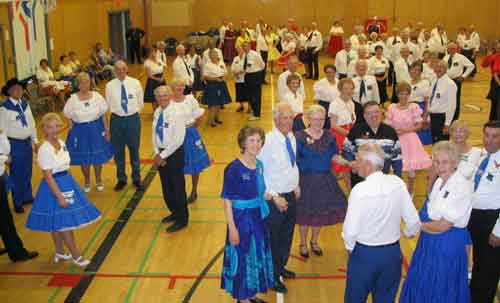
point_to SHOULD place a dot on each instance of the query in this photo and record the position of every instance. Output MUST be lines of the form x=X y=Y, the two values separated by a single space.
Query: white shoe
x=253 y=118
x=80 y=261
x=63 y=257
x=87 y=188
x=100 y=187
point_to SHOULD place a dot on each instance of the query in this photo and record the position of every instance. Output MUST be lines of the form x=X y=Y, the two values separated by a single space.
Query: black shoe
x=176 y=227
x=28 y=202
x=168 y=219
x=19 y=209
x=280 y=287
x=240 y=109
x=120 y=185
x=3 y=251
x=257 y=300
x=213 y=124
x=218 y=121
x=192 y=198
x=138 y=185
x=30 y=255
x=288 y=274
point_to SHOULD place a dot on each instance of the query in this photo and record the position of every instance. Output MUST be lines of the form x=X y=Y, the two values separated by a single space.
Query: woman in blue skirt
x=155 y=76
x=247 y=267
x=60 y=205
x=195 y=153
x=420 y=93
x=88 y=139
x=215 y=94
x=438 y=269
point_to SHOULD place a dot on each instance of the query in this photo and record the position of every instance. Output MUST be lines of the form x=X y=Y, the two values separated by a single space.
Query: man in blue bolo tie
x=17 y=121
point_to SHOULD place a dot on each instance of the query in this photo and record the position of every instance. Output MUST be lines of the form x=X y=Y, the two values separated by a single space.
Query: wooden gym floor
x=135 y=260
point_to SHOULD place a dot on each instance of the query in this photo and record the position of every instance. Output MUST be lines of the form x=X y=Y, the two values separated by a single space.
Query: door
x=118 y=23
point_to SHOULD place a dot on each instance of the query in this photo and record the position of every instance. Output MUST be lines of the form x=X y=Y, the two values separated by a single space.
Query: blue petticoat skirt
x=149 y=90
x=216 y=93
x=425 y=135
x=197 y=84
x=248 y=267
x=47 y=215
x=438 y=270
x=195 y=154
x=87 y=144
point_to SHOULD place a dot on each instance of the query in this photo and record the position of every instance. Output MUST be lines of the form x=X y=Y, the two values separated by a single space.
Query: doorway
x=119 y=22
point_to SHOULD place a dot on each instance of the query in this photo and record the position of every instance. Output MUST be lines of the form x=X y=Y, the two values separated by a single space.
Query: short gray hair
x=448 y=148
x=278 y=109
x=120 y=63
x=165 y=88
x=372 y=153
x=315 y=109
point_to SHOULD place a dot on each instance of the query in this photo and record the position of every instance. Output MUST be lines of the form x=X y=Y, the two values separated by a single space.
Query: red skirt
x=336 y=44
x=283 y=60
x=339 y=138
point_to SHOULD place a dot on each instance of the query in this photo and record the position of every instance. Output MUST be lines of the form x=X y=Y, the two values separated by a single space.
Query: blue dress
x=87 y=144
x=438 y=269
x=195 y=154
x=247 y=267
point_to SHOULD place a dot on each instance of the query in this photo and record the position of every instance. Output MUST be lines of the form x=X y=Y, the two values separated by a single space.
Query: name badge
x=455 y=64
x=165 y=125
x=130 y=96
x=415 y=88
x=446 y=194
x=245 y=177
x=438 y=95
x=86 y=104
x=489 y=176
x=369 y=87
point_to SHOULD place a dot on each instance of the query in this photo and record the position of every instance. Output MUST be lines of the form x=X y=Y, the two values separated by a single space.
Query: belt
x=113 y=115
x=378 y=246
x=60 y=174
x=380 y=75
x=19 y=140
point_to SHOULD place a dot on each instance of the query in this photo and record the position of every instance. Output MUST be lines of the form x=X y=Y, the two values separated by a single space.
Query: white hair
x=372 y=153
x=279 y=108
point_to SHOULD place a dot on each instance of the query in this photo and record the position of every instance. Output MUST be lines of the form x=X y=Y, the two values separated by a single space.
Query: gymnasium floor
x=135 y=260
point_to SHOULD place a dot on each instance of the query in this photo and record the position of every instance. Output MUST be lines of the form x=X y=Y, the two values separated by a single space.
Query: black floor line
x=200 y=277
x=97 y=260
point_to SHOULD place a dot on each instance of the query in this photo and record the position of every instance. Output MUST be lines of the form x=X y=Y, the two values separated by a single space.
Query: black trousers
x=456 y=116
x=312 y=62
x=391 y=76
x=173 y=186
x=253 y=83
x=11 y=241
x=187 y=90
x=281 y=226
x=264 y=54
x=134 y=50
x=486 y=268
x=437 y=124
x=326 y=106
x=358 y=110
x=494 y=96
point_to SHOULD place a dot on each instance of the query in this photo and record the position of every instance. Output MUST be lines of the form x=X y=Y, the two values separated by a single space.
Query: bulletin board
x=170 y=13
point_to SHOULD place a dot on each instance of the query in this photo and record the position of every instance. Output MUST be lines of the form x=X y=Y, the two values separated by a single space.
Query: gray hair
x=120 y=63
x=279 y=108
x=161 y=88
x=448 y=148
x=315 y=109
x=372 y=153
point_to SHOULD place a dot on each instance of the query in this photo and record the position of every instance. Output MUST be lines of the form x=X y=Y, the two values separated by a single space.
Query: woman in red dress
x=289 y=46
x=336 y=38
x=228 y=46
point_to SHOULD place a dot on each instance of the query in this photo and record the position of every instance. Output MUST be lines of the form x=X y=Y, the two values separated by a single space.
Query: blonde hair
x=177 y=81
x=457 y=124
x=48 y=117
x=448 y=148
x=314 y=109
x=82 y=77
x=403 y=87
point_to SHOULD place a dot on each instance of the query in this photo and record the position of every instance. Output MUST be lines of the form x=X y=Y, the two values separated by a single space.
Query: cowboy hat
x=11 y=83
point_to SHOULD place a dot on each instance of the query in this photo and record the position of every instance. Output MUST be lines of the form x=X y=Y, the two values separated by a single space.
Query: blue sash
x=8 y=104
x=258 y=202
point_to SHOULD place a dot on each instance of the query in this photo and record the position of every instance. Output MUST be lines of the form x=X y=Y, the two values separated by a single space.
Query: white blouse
x=193 y=61
x=289 y=46
x=296 y=101
x=420 y=90
x=81 y=111
x=50 y=159
x=469 y=162
x=451 y=201
x=238 y=70
x=325 y=91
x=156 y=68
x=45 y=77
x=213 y=70
x=343 y=111
x=336 y=30
x=376 y=66
x=190 y=109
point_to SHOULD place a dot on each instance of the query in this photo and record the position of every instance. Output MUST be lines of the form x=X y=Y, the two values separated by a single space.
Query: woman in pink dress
x=406 y=118
x=336 y=39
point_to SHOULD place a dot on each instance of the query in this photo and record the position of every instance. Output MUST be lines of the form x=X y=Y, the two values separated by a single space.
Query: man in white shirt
x=344 y=58
x=439 y=41
x=406 y=42
x=253 y=67
x=484 y=223
x=222 y=32
x=125 y=98
x=362 y=54
x=161 y=56
x=442 y=103
x=470 y=46
x=401 y=70
x=314 y=44
x=283 y=90
x=181 y=69
x=371 y=230
x=391 y=43
x=459 y=68
x=169 y=129
x=278 y=156
x=262 y=47
x=18 y=123
x=365 y=88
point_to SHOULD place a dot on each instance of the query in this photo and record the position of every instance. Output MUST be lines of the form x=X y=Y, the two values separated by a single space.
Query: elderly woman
x=420 y=93
x=438 y=270
x=155 y=76
x=326 y=90
x=48 y=84
x=379 y=67
x=342 y=113
x=88 y=138
x=215 y=93
x=289 y=46
x=296 y=101
x=60 y=205
x=195 y=154
x=321 y=202
x=406 y=118
x=247 y=267
x=66 y=69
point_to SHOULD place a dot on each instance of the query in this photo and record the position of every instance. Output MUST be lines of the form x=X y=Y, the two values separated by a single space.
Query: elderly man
x=362 y=54
x=124 y=96
x=253 y=65
x=401 y=70
x=181 y=69
x=442 y=102
x=439 y=41
x=283 y=90
x=161 y=56
x=134 y=36
x=344 y=58
x=371 y=230
x=314 y=44
x=484 y=223
x=365 y=88
x=278 y=156
x=169 y=130
x=459 y=68
x=374 y=131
